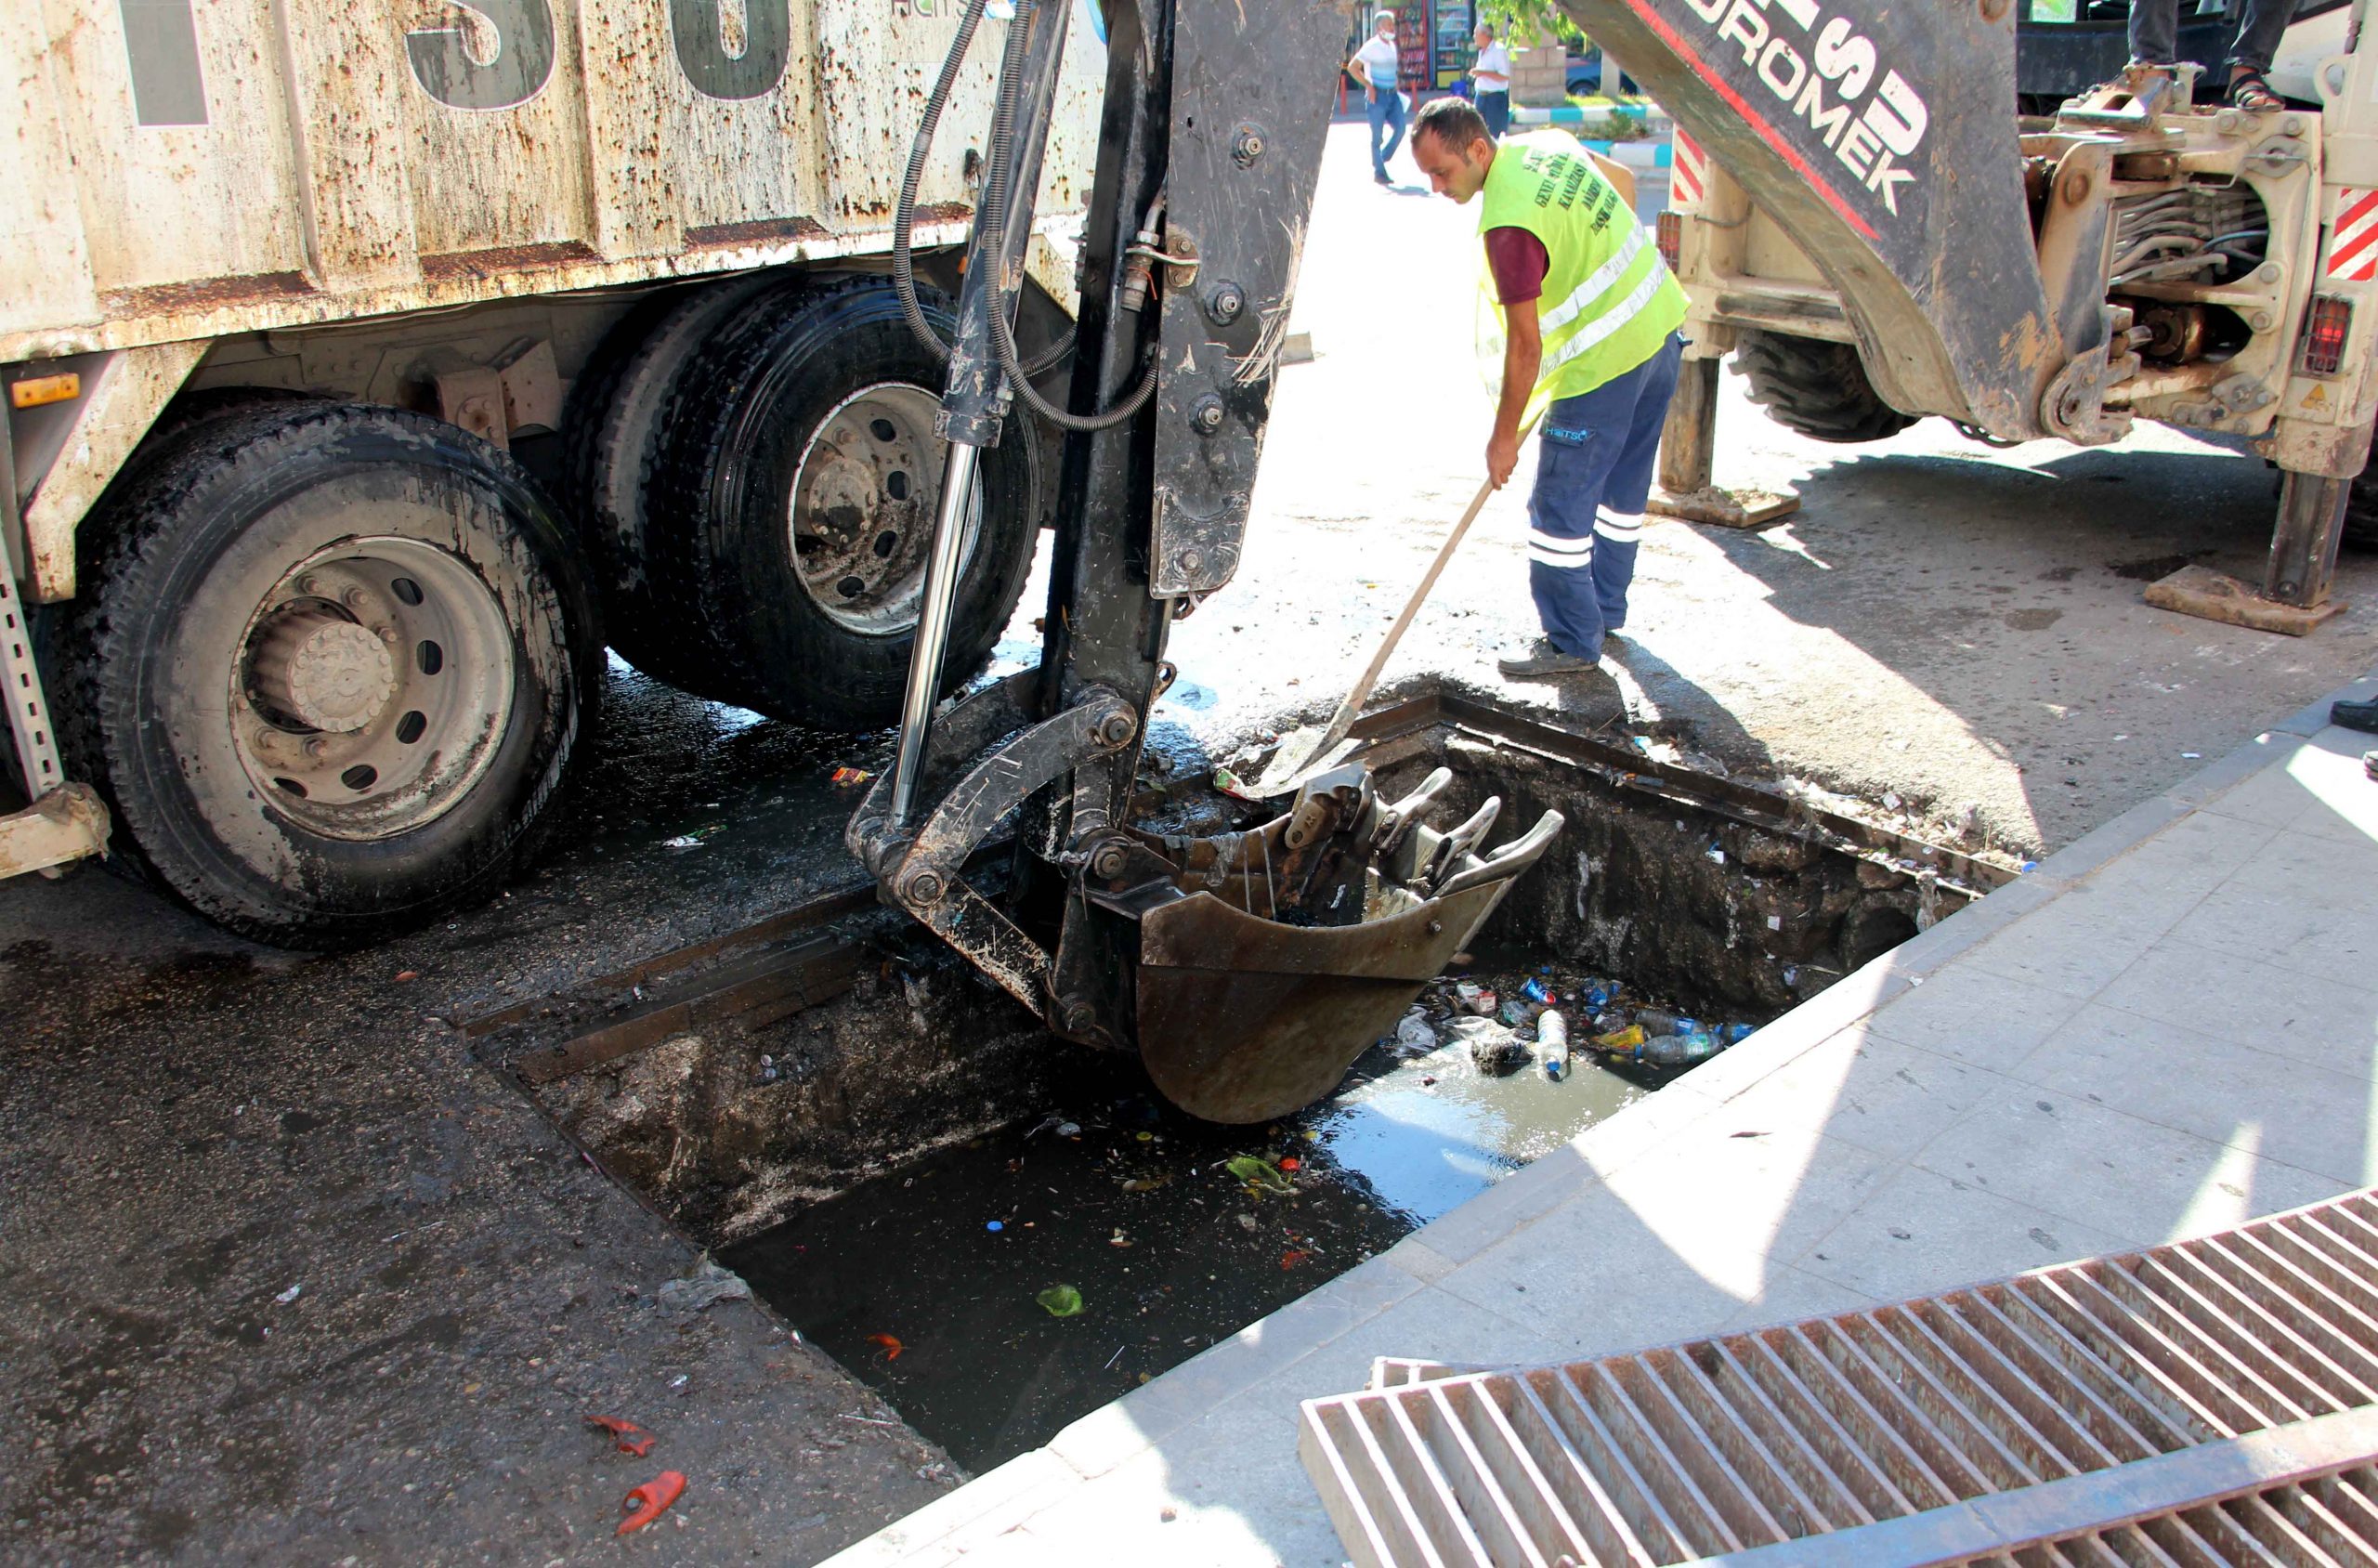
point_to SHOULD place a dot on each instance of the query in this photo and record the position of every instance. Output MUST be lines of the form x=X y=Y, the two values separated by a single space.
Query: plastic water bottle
x=1734 y=1033
x=1552 y=1044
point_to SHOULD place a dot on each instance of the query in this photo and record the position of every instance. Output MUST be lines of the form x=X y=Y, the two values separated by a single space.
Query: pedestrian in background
x=1588 y=313
x=1376 y=66
x=1491 y=72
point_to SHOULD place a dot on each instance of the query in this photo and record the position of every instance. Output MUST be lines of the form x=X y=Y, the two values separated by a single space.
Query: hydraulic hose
x=903 y=275
x=995 y=203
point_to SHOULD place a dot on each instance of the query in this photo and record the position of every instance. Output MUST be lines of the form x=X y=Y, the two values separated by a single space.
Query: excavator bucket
x=1268 y=961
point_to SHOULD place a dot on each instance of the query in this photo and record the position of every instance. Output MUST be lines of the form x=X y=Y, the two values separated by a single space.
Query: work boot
x=1540 y=658
x=2370 y=765
x=2355 y=715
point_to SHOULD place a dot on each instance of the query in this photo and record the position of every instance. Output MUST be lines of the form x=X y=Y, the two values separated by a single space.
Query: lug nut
x=922 y=887
x=310 y=586
x=1225 y=302
x=317 y=748
x=1208 y=416
x=352 y=598
x=1248 y=146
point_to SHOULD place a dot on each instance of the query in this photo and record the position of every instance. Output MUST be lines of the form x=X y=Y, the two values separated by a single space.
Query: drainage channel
x=1001 y=1231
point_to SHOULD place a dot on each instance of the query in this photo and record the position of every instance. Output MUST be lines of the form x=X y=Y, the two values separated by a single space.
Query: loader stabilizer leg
x=1688 y=461
x=2295 y=598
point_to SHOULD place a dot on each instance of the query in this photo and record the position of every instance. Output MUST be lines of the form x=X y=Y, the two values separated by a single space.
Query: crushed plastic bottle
x=1413 y=1036
x=1658 y=1021
x=1552 y=1045
x=1596 y=994
x=1518 y=1015
x=1734 y=1033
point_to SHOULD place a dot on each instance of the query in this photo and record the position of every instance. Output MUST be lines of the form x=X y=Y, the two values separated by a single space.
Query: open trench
x=1001 y=1231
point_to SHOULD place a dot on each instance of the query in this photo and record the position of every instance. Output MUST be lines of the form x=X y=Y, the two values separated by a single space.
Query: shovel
x=1307 y=750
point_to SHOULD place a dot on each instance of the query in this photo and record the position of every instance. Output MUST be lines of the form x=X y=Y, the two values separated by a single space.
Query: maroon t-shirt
x=1518 y=260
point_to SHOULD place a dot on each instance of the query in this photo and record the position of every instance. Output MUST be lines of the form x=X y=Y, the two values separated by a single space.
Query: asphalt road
x=190 y=1127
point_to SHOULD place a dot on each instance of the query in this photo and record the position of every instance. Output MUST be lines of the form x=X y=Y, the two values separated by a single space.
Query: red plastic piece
x=632 y=1439
x=650 y=1500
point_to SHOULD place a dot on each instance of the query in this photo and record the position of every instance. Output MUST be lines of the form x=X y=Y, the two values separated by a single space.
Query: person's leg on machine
x=2154 y=31
x=2258 y=37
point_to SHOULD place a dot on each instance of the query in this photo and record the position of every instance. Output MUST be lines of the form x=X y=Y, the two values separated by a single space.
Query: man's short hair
x=1453 y=122
x=1382 y=17
x=1487 y=28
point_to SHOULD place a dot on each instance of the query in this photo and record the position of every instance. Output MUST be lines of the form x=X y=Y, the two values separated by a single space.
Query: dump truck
x=369 y=369
x=1863 y=220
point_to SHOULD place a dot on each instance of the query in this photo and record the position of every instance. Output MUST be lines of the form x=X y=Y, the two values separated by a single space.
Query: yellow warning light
x=35 y=390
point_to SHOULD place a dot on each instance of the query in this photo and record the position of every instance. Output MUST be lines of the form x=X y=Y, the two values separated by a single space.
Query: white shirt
x=1382 y=60
x=1493 y=67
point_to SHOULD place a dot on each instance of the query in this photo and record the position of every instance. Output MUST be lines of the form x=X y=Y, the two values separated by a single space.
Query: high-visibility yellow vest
x=1608 y=301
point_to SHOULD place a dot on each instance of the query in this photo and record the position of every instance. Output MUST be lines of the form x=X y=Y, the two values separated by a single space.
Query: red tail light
x=1671 y=238
x=2325 y=334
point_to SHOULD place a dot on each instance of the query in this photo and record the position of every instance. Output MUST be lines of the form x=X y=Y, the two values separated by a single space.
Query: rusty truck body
x=369 y=367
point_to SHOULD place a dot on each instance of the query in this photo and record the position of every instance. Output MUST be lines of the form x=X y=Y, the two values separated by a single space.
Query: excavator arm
x=1248 y=970
x=1880 y=136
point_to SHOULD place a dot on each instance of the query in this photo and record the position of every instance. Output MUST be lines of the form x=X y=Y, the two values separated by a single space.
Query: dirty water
x=925 y=1282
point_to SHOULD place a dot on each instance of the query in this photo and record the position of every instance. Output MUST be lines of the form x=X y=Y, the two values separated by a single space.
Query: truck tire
x=328 y=667
x=612 y=444
x=1817 y=388
x=793 y=509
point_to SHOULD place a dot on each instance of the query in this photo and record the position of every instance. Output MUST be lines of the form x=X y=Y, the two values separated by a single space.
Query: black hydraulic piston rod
x=975 y=400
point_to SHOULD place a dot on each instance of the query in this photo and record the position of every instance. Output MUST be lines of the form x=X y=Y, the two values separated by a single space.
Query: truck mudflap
x=1880 y=136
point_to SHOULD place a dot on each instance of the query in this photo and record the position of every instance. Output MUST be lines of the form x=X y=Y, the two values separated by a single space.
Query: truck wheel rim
x=374 y=688
x=862 y=509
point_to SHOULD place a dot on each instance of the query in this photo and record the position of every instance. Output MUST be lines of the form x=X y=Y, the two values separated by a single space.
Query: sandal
x=2250 y=92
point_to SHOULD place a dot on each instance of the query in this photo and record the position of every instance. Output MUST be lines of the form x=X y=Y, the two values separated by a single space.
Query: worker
x=2155 y=42
x=1376 y=65
x=1491 y=71
x=1587 y=314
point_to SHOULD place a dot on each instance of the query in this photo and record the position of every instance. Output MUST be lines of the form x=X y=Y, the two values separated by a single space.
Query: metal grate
x=2145 y=1408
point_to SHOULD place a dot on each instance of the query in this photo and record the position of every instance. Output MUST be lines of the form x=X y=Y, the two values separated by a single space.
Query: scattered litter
x=1145 y=1183
x=405 y=975
x=1166 y=1516
x=683 y=841
x=1246 y=1221
x=650 y=1500
x=705 y=1287
x=864 y=1420
x=288 y=1295
x=679 y=1382
x=2192 y=756
x=1716 y=856
x=1294 y=1256
x=1060 y=1301
x=890 y=1343
x=1118 y=1239
x=1069 y=1130
x=1260 y=1174
x=844 y=778
x=1113 y=1359
x=629 y=1437
x=1494 y=1049
x=995 y=1226
x=1538 y=992
x=1290 y=1162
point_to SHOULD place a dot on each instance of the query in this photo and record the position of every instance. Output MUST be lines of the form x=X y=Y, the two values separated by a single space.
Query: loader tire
x=328 y=667
x=612 y=440
x=792 y=509
x=1817 y=388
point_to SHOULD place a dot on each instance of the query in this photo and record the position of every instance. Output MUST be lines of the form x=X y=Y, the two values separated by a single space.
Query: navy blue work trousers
x=1593 y=477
